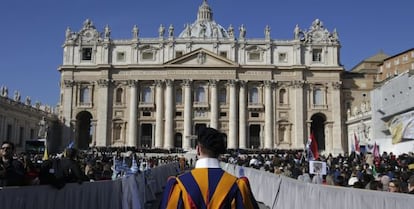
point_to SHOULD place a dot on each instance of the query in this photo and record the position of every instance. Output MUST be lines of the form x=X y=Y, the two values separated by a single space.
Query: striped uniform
x=208 y=188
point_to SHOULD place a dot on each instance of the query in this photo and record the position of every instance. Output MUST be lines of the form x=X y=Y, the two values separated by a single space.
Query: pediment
x=201 y=58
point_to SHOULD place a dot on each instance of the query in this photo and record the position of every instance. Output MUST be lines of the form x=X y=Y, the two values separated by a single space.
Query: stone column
x=214 y=105
x=102 y=111
x=232 y=137
x=328 y=136
x=169 y=115
x=67 y=132
x=133 y=114
x=242 y=115
x=268 y=142
x=299 y=119
x=188 y=116
x=159 y=114
x=335 y=107
x=93 y=131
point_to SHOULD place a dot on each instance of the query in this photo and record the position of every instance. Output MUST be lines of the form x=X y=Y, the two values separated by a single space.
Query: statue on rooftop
x=171 y=31
x=28 y=100
x=107 y=32
x=135 y=32
x=161 y=31
x=267 y=32
x=242 y=30
x=230 y=31
x=17 y=96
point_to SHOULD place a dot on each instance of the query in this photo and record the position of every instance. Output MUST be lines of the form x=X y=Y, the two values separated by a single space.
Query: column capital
x=169 y=82
x=69 y=83
x=158 y=83
x=337 y=85
x=268 y=83
x=297 y=83
x=213 y=82
x=187 y=82
x=232 y=82
x=242 y=83
x=103 y=82
x=132 y=83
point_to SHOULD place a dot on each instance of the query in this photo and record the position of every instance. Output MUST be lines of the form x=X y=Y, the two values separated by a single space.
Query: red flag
x=376 y=151
x=357 y=148
x=314 y=146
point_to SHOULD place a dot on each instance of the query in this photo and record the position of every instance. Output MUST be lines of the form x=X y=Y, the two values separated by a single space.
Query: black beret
x=212 y=140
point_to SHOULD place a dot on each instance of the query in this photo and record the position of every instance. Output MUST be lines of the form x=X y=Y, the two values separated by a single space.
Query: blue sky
x=32 y=31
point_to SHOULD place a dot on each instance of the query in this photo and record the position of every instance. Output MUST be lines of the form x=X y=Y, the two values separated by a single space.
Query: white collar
x=207 y=163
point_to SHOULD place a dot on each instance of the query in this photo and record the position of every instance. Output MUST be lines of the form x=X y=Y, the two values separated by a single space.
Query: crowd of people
x=387 y=172
x=73 y=165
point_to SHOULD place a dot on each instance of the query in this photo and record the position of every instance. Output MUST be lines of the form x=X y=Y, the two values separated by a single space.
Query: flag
x=70 y=145
x=312 y=147
x=357 y=147
x=376 y=151
x=45 y=153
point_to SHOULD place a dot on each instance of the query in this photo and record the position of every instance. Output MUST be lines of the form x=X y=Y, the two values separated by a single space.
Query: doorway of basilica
x=83 y=135
x=318 y=129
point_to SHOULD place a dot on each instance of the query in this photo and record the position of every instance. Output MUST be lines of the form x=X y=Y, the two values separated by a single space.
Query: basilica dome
x=204 y=26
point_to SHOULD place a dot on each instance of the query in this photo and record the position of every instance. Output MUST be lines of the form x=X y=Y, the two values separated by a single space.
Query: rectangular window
x=254 y=114
x=405 y=58
x=282 y=57
x=388 y=64
x=120 y=56
x=397 y=61
x=254 y=56
x=86 y=53
x=178 y=114
x=148 y=55
x=178 y=54
x=223 y=54
x=146 y=114
x=223 y=114
x=317 y=55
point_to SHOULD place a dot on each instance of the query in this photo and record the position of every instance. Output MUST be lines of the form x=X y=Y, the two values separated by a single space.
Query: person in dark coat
x=11 y=170
x=70 y=167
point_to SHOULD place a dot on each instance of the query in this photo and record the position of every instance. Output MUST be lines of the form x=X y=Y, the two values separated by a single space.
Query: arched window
x=147 y=95
x=200 y=95
x=178 y=96
x=118 y=96
x=222 y=96
x=84 y=95
x=317 y=96
x=253 y=96
x=282 y=96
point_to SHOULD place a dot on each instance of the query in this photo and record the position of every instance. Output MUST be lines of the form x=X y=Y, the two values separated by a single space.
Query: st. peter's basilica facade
x=158 y=92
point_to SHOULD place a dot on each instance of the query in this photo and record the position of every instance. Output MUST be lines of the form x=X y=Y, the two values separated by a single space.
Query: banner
x=402 y=127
